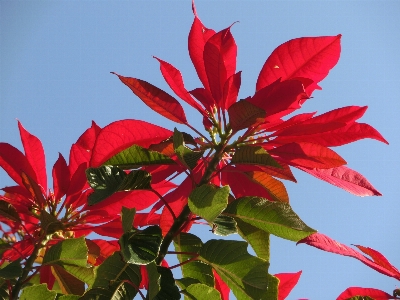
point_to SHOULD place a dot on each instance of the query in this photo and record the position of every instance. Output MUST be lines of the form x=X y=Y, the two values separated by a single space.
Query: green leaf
x=49 y=223
x=70 y=251
x=127 y=217
x=136 y=156
x=68 y=297
x=154 y=279
x=187 y=156
x=184 y=282
x=208 y=201
x=68 y=283
x=224 y=225
x=8 y=211
x=107 y=180
x=141 y=246
x=86 y=275
x=198 y=270
x=246 y=275
x=244 y=114
x=37 y=292
x=202 y=291
x=11 y=270
x=272 y=291
x=255 y=155
x=257 y=238
x=276 y=218
x=168 y=288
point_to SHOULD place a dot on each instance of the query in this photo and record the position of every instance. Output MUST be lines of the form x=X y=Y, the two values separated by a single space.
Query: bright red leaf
x=61 y=177
x=359 y=291
x=287 y=281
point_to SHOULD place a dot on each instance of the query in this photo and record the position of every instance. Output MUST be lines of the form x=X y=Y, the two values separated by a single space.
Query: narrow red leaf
x=359 y=291
x=288 y=123
x=287 y=281
x=347 y=114
x=231 y=90
x=198 y=36
x=155 y=98
x=308 y=155
x=378 y=258
x=219 y=61
x=174 y=79
x=61 y=177
x=204 y=97
x=221 y=286
x=120 y=135
x=345 y=178
x=307 y=57
x=34 y=153
x=325 y=243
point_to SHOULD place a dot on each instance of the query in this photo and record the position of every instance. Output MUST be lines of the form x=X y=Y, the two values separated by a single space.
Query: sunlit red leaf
x=61 y=177
x=120 y=135
x=21 y=249
x=198 y=37
x=204 y=97
x=221 y=286
x=288 y=123
x=307 y=57
x=274 y=187
x=287 y=281
x=243 y=115
x=174 y=79
x=308 y=155
x=156 y=99
x=325 y=243
x=34 y=153
x=101 y=249
x=378 y=258
x=359 y=291
x=345 y=178
x=78 y=180
x=231 y=90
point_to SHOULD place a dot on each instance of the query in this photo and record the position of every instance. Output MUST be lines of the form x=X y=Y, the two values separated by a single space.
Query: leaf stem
x=184 y=262
x=165 y=203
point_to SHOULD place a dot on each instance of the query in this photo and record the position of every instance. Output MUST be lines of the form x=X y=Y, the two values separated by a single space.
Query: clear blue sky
x=56 y=58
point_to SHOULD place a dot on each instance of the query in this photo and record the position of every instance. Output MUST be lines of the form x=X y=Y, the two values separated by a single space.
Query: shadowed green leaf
x=154 y=280
x=276 y=218
x=257 y=238
x=37 y=292
x=183 y=283
x=244 y=114
x=246 y=275
x=224 y=225
x=11 y=270
x=254 y=155
x=272 y=291
x=49 y=223
x=107 y=180
x=187 y=156
x=168 y=288
x=202 y=291
x=84 y=274
x=8 y=211
x=141 y=246
x=197 y=270
x=136 y=156
x=208 y=201
x=127 y=216
x=69 y=284
x=68 y=297
x=70 y=251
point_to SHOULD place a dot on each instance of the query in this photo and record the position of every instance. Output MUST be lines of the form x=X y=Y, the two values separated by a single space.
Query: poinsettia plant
x=120 y=183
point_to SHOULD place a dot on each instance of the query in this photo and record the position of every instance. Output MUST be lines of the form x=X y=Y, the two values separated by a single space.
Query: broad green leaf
x=202 y=291
x=255 y=155
x=224 y=225
x=187 y=156
x=111 y=279
x=8 y=211
x=274 y=187
x=276 y=218
x=107 y=180
x=168 y=288
x=272 y=291
x=4 y=292
x=183 y=283
x=127 y=217
x=82 y=273
x=154 y=280
x=11 y=270
x=197 y=270
x=136 y=156
x=208 y=201
x=68 y=283
x=69 y=297
x=246 y=275
x=49 y=223
x=70 y=251
x=257 y=238
x=244 y=114
x=37 y=292
x=141 y=247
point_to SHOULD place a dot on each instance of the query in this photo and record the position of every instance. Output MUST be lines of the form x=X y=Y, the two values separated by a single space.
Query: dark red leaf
x=198 y=36
x=243 y=115
x=61 y=177
x=34 y=189
x=359 y=291
x=231 y=90
x=345 y=178
x=34 y=153
x=122 y=134
x=46 y=276
x=287 y=281
x=325 y=243
x=156 y=99
x=78 y=180
x=307 y=57
x=308 y=155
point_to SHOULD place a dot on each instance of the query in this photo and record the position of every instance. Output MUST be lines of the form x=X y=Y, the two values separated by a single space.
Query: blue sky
x=56 y=58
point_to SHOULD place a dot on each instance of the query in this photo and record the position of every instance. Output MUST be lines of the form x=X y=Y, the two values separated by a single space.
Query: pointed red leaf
x=14 y=162
x=284 y=172
x=274 y=187
x=378 y=258
x=308 y=155
x=231 y=90
x=307 y=57
x=347 y=114
x=198 y=36
x=120 y=135
x=204 y=97
x=34 y=153
x=61 y=177
x=174 y=79
x=221 y=286
x=359 y=291
x=155 y=98
x=345 y=178
x=219 y=61
x=287 y=281
x=288 y=123
x=78 y=180
x=325 y=243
